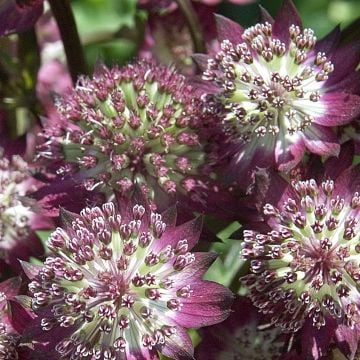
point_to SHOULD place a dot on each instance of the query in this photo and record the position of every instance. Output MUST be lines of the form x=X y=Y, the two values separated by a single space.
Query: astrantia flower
x=307 y=266
x=17 y=218
x=238 y=337
x=138 y=125
x=124 y=284
x=280 y=90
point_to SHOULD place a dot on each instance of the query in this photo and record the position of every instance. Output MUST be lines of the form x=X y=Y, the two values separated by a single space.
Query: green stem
x=64 y=17
x=235 y=283
x=29 y=56
x=29 y=63
x=193 y=23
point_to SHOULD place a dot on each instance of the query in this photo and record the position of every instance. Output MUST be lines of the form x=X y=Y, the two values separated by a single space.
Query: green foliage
x=111 y=30
x=94 y=16
x=44 y=236
x=228 y=266
x=117 y=51
x=320 y=15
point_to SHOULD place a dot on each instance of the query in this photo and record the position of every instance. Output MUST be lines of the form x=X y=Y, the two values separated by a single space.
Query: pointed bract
x=228 y=29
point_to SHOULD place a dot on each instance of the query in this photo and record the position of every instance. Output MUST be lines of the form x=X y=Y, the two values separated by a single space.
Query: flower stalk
x=194 y=25
x=64 y=17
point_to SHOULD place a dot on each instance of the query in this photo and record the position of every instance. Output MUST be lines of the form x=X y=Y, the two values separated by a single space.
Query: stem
x=193 y=23
x=235 y=283
x=65 y=20
x=29 y=57
x=29 y=63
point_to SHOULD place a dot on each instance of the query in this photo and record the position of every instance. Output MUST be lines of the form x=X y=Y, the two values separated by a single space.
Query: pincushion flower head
x=124 y=284
x=306 y=268
x=18 y=220
x=132 y=126
x=280 y=90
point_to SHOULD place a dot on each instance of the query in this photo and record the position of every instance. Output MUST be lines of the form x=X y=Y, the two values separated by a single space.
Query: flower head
x=279 y=90
x=17 y=219
x=307 y=266
x=125 y=282
x=138 y=125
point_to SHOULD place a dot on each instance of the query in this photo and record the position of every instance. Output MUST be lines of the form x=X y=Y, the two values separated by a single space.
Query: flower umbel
x=270 y=87
x=307 y=266
x=131 y=126
x=126 y=282
x=278 y=90
x=13 y=215
x=16 y=217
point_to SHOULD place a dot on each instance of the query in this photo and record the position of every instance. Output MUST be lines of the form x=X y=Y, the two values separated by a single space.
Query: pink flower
x=305 y=268
x=19 y=15
x=280 y=91
x=122 y=281
x=138 y=126
x=53 y=77
x=18 y=218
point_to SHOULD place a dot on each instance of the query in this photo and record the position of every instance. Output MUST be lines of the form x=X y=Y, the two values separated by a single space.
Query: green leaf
x=117 y=51
x=35 y=261
x=228 y=231
x=43 y=236
x=228 y=264
x=356 y=160
x=94 y=16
